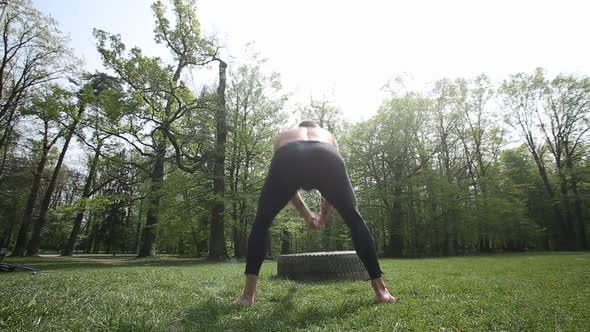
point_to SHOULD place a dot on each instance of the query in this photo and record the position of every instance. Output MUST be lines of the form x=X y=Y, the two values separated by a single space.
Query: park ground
x=515 y=292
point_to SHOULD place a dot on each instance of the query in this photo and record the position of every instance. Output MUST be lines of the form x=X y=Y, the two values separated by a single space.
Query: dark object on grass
x=322 y=265
x=4 y=267
x=16 y=267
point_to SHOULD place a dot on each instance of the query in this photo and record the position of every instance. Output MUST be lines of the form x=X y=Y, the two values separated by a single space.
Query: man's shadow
x=215 y=314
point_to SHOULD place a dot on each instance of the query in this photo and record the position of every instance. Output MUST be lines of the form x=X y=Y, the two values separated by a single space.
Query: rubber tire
x=322 y=265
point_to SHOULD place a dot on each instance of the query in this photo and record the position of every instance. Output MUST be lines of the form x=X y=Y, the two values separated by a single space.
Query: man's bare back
x=316 y=134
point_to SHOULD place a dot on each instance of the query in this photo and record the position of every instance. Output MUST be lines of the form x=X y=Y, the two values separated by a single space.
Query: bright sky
x=346 y=51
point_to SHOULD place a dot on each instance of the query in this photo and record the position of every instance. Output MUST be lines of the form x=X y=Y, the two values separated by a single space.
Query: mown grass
x=524 y=292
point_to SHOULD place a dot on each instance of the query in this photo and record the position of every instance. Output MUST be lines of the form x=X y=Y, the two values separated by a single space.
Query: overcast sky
x=345 y=51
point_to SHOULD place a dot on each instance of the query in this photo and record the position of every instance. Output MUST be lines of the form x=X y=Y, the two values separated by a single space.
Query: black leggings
x=309 y=165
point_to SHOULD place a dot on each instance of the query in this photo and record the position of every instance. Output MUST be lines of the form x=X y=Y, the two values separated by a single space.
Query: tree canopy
x=137 y=158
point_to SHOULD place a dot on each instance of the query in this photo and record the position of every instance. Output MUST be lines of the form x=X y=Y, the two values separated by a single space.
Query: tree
x=14 y=190
x=112 y=211
x=105 y=100
x=217 y=248
x=324 y=114
x=161 y=99
x=449 y=169
x=47 y=106
x=185 y=211
x=255 y=105
x=34 y=52
x=73 y=115
x=552 y=116
x=481 y=139
x=567 y=106
x=393 y=149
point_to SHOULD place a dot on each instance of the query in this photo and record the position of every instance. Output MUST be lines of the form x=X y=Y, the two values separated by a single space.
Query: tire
x=322 y=265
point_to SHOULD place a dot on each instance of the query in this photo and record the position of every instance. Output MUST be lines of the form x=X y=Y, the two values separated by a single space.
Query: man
x=307 y=157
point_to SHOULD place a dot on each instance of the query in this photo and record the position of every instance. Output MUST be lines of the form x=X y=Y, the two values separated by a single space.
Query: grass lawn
x=517 y=292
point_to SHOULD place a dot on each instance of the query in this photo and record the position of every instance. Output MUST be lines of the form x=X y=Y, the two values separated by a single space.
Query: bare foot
x=244 y=300
x=386 y=298
x=249 y=292
x=381 y=291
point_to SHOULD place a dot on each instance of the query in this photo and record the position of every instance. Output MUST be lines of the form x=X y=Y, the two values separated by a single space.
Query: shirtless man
x=307 y=157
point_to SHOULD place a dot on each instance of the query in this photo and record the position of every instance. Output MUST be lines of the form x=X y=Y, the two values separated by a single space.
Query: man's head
x=308 y=124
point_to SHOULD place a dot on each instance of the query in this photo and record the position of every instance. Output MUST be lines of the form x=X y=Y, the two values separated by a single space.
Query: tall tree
x=393 y=150
x=105 y=101
x=217 y=248
x=449 y=168
x=567 y=107
x=46 y=106
x=552 y=117
x=255 y=107
x=73 y=115
x=481 y=139
x=161 y=99
x=33 y=52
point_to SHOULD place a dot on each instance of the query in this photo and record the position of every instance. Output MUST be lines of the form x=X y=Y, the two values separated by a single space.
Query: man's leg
x=361 y=238
x=365 y=249
x=270 y=203
x=273 y=198
x=336 y=188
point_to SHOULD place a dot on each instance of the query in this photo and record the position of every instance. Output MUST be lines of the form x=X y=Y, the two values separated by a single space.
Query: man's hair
x=308 y=123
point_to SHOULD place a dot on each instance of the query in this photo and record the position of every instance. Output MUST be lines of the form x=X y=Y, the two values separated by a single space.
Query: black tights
x=309 y=165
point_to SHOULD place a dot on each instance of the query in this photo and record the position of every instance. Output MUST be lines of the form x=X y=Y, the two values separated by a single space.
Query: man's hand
x=312 y=220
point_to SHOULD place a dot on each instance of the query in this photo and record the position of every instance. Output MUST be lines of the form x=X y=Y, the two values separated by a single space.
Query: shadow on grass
x=316 y=280
x=279 y=312
x=56 y=263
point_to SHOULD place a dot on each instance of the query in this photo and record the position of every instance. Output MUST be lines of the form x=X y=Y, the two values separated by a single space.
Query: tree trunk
x=69 y=249
x=35 y=243
x=217 y=249
x=236 y=241
x=582 y=243
x=94 y=244
x=147 y=247
x=580 y=221
x=558 y=216
x=138 y=229
x=577 y=209
x=87 y=232
x=396 y=236
x=21 y=240
x=7 y=237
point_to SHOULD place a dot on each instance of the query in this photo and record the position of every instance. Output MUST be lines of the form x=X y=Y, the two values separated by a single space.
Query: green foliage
x=161 y=111
x=95 y=204
x=34 y=52
x=432 y=171
x=186 y=202
x=325 y=114
x=184 y=40
x=551 y=117
x=255 y=116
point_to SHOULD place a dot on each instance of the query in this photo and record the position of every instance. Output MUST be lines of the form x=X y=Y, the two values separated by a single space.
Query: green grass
x=524 y=292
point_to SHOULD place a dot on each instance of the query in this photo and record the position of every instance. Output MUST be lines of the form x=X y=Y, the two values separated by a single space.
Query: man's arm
x=326 y=211
x=311 y=219
x=300 y=205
